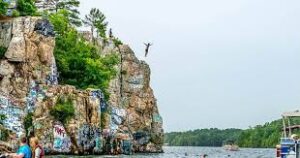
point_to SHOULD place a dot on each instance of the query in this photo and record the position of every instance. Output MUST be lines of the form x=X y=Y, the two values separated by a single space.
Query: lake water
x=195 y=152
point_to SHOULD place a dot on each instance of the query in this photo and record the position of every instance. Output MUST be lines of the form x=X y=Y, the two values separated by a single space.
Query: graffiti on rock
x=62 y=142
x=98 y=94
x=157 y=118
x=117 y=117
x=35 y=93
x=52 y=78
x=136 y=82
x=89 y=138
x=141 y=138
x=45 y=28
x=126 y=147
x=13 y=115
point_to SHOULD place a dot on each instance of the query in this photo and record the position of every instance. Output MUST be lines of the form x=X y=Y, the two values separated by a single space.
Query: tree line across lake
x=260 y=136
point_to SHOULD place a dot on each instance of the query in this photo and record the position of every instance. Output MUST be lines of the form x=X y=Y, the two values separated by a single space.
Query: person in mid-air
x=148 y=45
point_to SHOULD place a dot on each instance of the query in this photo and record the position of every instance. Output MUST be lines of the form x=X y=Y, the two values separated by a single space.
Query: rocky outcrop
x=131 y=91
x=42 y=5
x=28 y=84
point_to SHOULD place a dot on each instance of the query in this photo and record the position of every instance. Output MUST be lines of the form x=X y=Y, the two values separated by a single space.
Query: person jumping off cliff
x=111 y=33
x=147 y=48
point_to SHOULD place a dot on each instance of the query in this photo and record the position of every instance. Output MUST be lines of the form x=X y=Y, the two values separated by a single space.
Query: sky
x=215 y=63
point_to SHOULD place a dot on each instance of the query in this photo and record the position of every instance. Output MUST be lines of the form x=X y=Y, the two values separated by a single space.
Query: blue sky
x=214 y=63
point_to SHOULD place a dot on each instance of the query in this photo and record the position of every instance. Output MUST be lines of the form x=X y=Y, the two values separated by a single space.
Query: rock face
x=28 y=84
x=131 y=92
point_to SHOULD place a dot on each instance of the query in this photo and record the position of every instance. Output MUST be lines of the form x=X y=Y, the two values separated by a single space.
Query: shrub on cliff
x=26 y=7
x=64 y=110
x=80 y=65
x=79 y=62
x=28 y=123
x=2 y=51
x=2 y=119
x=3 y=7
x=61 y=22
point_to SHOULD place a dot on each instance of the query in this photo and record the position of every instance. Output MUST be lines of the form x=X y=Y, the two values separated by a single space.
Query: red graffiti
x=60 y=130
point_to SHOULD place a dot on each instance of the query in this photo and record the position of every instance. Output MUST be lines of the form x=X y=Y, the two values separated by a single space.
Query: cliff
x=29 y=84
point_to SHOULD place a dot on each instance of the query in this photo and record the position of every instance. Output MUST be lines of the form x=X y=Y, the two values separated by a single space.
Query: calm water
x=195 y=152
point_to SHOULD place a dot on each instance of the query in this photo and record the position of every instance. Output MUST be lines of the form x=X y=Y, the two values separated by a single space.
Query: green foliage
x=64 y=110
x=2 y=51
x=2 y=119
x=203 y=137
x=4 y=134
x=26 y=7
x=79 y=62
x=96 y=20
x=71 y=7
x=267 y=135
x=61 y=22
x=15 y=13
x=261 y=136
x=3 y=7
x=117 y=42
x=28 y=122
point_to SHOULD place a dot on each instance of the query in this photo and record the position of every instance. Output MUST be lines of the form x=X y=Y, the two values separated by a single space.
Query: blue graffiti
x=52 y=78
x=89 y=138
x=35 y=92
x=98 y=94
x=13 y=115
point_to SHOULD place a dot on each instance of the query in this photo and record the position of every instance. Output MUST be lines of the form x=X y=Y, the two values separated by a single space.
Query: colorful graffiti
x=52 y=77
x=141 y=137
x=117 y=117
x=89 y=138
x=62 y=142
x=98 y=94
x=13 y=115
x=35 y=93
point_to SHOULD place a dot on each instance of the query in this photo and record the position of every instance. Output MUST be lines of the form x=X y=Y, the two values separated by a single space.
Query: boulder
x=16 y=51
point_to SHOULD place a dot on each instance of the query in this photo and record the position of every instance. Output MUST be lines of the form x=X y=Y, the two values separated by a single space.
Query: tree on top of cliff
x=96 y=20
x=26 y=7
x=70 y=6
x=61 y=22
x=3 y=7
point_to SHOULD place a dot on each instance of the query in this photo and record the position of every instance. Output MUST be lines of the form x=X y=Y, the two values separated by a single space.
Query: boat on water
x=231 y=147
x=289 y=142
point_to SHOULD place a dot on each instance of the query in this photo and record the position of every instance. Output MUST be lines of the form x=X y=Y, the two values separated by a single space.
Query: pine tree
x=71 y=6
x=96 y=20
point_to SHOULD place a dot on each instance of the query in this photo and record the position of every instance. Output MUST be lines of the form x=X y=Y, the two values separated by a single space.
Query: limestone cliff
x=28 y=84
